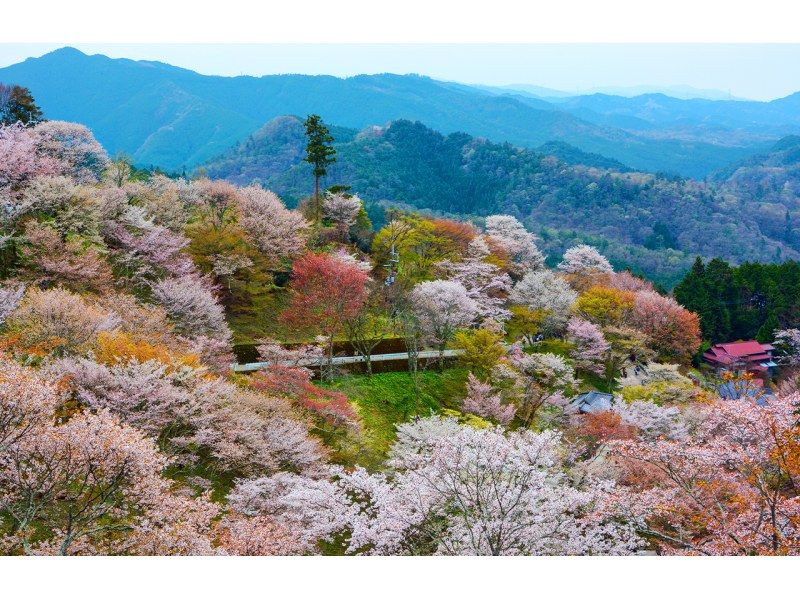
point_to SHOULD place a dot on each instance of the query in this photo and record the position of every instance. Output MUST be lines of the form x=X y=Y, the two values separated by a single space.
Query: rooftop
x=750 y=351
x=593 y=401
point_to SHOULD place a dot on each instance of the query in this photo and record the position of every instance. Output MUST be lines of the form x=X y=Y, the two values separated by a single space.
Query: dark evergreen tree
x=320 y=154
x=693 y=295
x=17 y=105
x=766 y=333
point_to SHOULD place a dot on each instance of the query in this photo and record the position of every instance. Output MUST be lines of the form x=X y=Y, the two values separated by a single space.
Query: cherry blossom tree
x=516 y=240
x=10 y=296
x=71 y=208
x=584 y=259
x=145 y=251
x=591 y=348
x=195 y=414
x=545 y=379
x=69 y=263
x=167 y=202
x=216 y=201
x=143 y=322
x=728 y=489
x=192 y=307
x=625 y=281
x=248 y=432
x=420 y=435
x=787 y=345
x=485 y=401
x=280 y=234
x=27 y=403
x=258 y=536
x=74 y=147
x=59 y=321
x=442 y=307
x=315 y=509
x=482 y=492
x=176 y=524
x=149 y=395
x=225 y=266
x=652 y=422
x=485 y=283
x=87 y=486
x=19 y=159
x=273 y=353
x=342 y=209
x=344 y=255
x=456 y=490
x=544 y=290
x=673 y=330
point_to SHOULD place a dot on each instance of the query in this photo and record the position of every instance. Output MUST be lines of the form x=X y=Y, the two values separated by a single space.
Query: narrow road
x=260 y=365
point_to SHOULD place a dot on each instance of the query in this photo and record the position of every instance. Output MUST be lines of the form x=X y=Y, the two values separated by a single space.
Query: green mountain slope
x=652 y=223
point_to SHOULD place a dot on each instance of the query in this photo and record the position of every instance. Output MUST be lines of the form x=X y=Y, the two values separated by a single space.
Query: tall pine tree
x=320 y=154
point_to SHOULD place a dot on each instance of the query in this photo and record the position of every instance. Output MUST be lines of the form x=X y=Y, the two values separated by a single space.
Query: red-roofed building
x=750 y=356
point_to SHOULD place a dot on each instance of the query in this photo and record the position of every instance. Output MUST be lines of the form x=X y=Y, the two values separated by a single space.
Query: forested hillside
x=654 y=224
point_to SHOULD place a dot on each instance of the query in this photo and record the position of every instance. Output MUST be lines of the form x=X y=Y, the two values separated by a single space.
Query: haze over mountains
x=682 y=92
x=176 y=118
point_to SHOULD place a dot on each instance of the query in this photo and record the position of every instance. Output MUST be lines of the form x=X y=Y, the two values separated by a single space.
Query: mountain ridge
x=132 y=109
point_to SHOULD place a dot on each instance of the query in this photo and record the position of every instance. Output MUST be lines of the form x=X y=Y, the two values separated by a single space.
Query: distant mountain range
x=176 y=118
x=652 y=224
x=682 y=92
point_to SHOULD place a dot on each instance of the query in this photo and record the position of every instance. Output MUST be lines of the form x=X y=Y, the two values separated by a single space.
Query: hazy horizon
x=745 y=71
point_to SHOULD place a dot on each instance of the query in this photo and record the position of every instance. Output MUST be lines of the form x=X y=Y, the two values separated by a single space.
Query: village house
x=741 y=356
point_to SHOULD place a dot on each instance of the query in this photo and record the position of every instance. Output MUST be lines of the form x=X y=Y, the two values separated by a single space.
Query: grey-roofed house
x=593 y=401
x=730 y=391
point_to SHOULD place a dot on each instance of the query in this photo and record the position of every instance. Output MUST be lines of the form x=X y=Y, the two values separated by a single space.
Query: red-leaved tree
x=325 y=291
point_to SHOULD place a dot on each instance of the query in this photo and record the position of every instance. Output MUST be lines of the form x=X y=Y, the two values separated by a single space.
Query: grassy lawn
x=550 y=345
x=386 y=399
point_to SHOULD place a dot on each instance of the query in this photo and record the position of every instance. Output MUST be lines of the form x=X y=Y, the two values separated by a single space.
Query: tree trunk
x=413 y=367
x=368 y=363
x=328 y=374
x=317 y=209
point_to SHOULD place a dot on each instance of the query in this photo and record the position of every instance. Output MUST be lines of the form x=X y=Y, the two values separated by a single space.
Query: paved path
x=260 y=365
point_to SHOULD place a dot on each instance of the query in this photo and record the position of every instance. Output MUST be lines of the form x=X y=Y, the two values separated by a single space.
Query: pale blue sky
x=757 y=71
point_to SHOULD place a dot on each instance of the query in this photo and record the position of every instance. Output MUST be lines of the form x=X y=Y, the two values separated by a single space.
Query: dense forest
x=742 y=302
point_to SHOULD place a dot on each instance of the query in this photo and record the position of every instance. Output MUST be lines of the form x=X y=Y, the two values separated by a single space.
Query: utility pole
x=394 y=261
